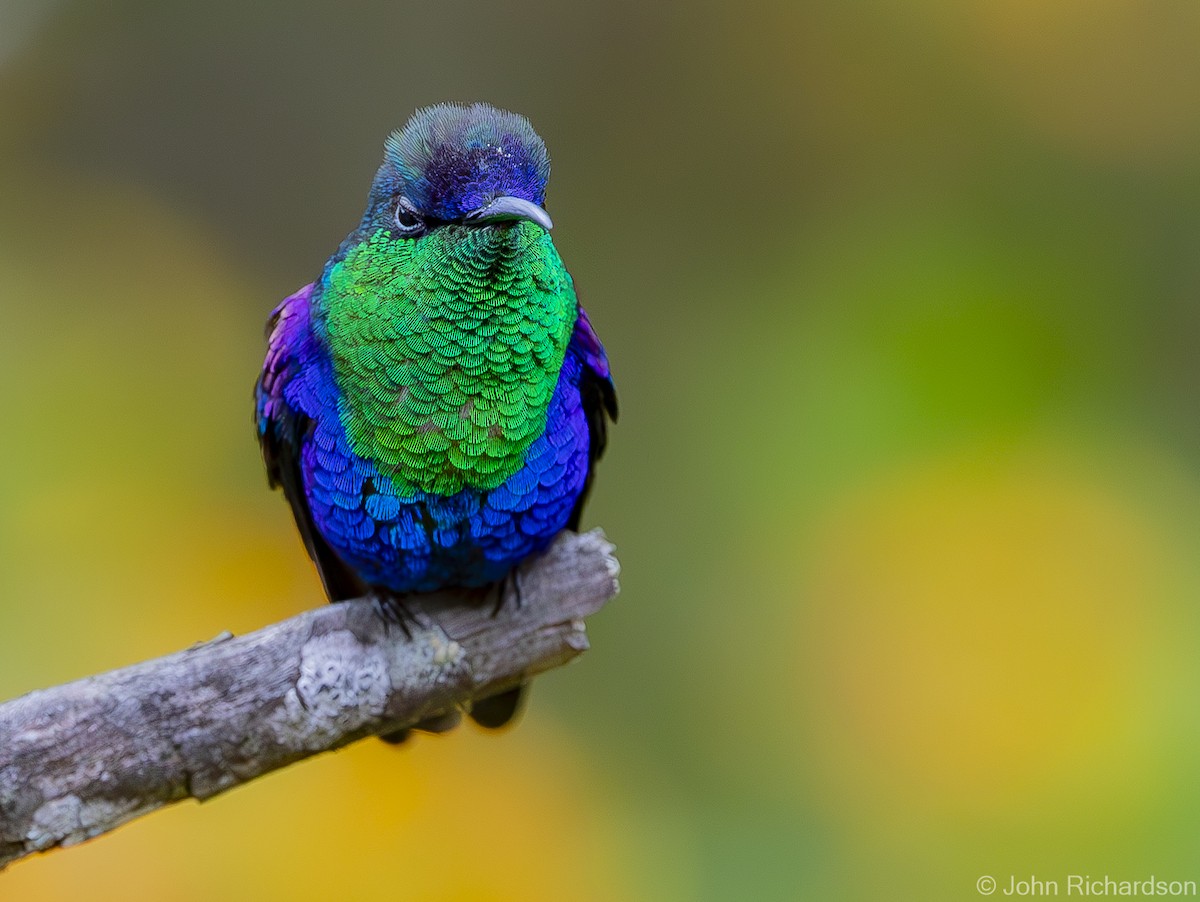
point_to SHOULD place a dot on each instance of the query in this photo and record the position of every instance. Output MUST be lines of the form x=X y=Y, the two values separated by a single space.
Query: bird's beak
x=506 y=209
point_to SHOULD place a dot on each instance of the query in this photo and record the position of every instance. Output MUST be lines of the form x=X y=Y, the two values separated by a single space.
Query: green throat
x=447 y=350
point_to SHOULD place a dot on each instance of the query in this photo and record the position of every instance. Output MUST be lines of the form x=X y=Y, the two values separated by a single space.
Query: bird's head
x=452 y=163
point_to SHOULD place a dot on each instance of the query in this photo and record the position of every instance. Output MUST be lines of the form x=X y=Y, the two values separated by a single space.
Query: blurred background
x=902 y=305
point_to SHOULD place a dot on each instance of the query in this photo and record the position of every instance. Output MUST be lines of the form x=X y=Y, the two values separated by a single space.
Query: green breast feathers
x=447 y=351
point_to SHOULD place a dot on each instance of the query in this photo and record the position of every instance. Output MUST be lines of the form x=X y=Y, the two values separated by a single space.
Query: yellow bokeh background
x=902 y=305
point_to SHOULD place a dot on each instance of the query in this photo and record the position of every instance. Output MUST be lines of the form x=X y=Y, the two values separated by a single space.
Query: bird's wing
x=598 y=395
x=285 y=404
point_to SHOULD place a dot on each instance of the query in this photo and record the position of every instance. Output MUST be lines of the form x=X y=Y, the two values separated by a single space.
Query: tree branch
x=80 y=759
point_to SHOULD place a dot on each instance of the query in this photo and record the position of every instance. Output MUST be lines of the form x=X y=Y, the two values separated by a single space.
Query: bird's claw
x=393 y=612
x=513 y=580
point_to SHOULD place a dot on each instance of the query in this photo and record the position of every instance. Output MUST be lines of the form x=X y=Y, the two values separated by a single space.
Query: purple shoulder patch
x=589 y=346
x=287 y=331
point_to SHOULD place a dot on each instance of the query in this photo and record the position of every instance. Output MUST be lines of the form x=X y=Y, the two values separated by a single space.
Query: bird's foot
x=511 y=581
x=393 y=611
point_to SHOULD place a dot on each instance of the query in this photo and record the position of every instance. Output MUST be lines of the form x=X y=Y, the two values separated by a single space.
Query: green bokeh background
x=902 y=303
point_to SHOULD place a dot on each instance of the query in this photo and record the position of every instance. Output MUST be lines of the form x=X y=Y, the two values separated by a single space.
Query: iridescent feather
x=434 y=405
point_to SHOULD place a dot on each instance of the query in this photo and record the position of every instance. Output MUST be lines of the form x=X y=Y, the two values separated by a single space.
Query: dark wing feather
x=282 y=429
x=599 y=398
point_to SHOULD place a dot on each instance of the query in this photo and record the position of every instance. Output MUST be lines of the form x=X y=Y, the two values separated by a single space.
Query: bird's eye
x=408 y=221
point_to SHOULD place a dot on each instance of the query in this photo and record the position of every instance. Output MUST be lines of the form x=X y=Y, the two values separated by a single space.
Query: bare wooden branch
x=80 y=759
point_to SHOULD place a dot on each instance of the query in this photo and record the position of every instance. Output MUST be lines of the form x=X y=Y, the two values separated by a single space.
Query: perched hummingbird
x=434 y=405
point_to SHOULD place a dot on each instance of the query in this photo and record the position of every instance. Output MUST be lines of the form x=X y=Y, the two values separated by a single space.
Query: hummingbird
x=434 y=405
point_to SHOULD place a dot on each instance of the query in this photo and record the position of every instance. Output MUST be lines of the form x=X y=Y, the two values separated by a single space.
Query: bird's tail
x=492 y=712
x=495 y=711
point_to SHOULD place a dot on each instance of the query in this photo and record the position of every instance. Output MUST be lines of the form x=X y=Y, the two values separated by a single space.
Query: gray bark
x=80 y=759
